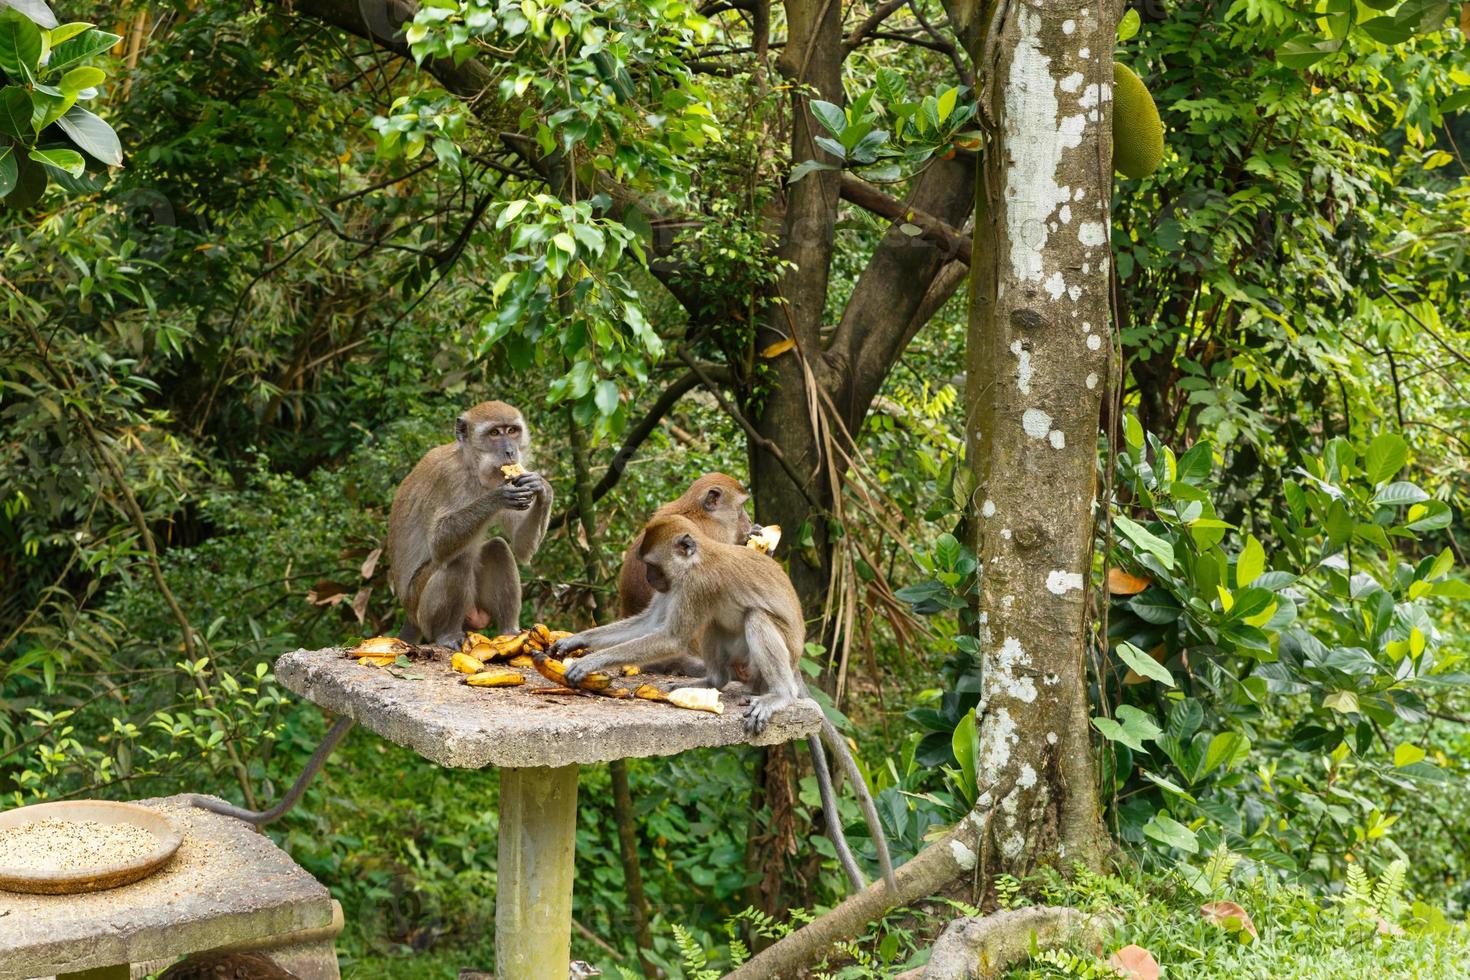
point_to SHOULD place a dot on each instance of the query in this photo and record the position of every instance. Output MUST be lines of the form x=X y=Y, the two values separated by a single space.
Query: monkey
x=441 y=567
x=740 y=609
x=715 y=503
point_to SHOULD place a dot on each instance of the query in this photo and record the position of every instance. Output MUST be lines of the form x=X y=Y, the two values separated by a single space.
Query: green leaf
x=1343 y=702
x=946 y=103
x=36 y=10
x=1432 y=516
x=606 y=397
x=830 y=116
x=966 y=745
x=66 y=31
x=81 y=78
x=1226 y=749
x=1251 y=563
x=76 y=50
x=1399 y=494
x=1386 y=30
x=20 y=46
x=1171 y=833
x=15 y=112
x=9 y=172
x=1386 y=455
x=1149 y=542
x=1142 y=663
x=1407 y=754
x=92 y=133
x=808 y=167
x=1130 y=727
x=67 y=161
x=1128 y=26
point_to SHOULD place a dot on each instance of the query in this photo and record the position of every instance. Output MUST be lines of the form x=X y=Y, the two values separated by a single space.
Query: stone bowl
x=106 y=873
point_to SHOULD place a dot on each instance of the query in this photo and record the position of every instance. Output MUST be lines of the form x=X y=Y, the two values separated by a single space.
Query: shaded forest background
x=217 y=362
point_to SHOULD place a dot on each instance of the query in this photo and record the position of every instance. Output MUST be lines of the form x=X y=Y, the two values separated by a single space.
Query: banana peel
x=522 y=660
x=381 y=646
x=496 y=677
x=376 y=661
x=631 y=670
x=466 y=663
x=555 y=671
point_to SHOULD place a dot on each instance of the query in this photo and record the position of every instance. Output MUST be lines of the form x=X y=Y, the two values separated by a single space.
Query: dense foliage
x=217 y=362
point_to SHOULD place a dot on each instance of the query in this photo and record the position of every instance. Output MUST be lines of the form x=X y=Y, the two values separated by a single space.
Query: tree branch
x=857 y=191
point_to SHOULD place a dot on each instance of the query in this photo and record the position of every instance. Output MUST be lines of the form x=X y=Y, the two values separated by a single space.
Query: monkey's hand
x=513 y=496
x=566 y=646
x=534 y=482
x=581 y=667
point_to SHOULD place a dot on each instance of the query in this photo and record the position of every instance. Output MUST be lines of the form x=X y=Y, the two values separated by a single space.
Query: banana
x=765 y=540
x=697 y=699
x=650 y=693
x=466 y=663
x=381 y=646
x=539 y=637
x=556 y=672
x=376 y=661
x=513 y=470
x=522 y=660
x=498 y=677
x=629 y=670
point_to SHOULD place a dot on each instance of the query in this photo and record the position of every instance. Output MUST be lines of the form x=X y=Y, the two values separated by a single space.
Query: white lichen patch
x=1012 y=846
x=1091 y=379
x=1036 y=137
x=1006 y=671
x=1051 y=738
x=1027 y=779
x=1069 y=26
x=963 y=856
x=1072 y=84
x=1093 y=341
x=1059 y=582
x=987 y=509
x=997 y=735
x=1065 y=214
x=1055 y=286
x=1023 y=366
x=1005 y=533
x=1092 y=234
x=1036 y=423
x=1057 y=438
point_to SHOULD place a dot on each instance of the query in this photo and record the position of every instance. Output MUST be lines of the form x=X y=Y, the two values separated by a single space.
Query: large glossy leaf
x=15 y=112
x=35 y=10
x=20 y=46
x=90 y=132
x=67 y=161
x=74 y=51
x=9 y=172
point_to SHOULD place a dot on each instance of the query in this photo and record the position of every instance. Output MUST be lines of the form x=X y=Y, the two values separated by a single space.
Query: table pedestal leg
x=533 y=895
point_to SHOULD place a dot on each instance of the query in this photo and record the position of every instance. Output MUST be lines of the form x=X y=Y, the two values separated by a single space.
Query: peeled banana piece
x=765 y=539
x=513 y=470
x=693 y=698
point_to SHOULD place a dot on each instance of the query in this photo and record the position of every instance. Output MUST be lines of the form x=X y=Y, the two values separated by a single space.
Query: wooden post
x=533 y=895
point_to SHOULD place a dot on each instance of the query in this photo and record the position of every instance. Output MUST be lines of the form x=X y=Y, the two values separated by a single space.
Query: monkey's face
x=487 y=444
x=724 y=502
x=669 y=552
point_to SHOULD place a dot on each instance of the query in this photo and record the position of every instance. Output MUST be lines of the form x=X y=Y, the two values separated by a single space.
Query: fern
x=696 y=961
x=1062 y=963
x=1379 y=904
x=1215 y=874
x=1008 y=892
x=1388 y=894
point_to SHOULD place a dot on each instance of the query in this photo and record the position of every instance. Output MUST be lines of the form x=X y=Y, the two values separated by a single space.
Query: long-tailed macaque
x=739 y=608
x=715 y=503
x=442 y=569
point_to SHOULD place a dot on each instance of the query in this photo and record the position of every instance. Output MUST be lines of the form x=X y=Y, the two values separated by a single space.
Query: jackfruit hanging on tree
x=1138 y=132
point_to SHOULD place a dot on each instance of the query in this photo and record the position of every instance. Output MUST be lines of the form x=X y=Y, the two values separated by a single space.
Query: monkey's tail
x=865 y=800
x=313 y=766
x=834 y=821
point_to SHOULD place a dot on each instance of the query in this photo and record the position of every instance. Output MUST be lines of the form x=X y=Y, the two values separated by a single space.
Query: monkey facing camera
x=442 y=568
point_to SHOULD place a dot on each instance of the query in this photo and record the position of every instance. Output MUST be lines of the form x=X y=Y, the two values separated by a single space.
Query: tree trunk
x=1037 y=365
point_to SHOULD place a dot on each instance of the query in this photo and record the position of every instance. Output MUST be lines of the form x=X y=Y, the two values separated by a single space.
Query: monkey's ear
x=712 y=498
x=461 y=429
x=685 y=546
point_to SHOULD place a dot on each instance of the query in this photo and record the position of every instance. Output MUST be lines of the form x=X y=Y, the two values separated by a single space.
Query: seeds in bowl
x=70 y=846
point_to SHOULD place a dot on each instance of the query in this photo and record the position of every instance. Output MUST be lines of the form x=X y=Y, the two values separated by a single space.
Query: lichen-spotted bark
x=1038 y=346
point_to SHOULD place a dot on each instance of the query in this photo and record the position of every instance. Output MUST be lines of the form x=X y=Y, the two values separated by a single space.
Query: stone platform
x=426 y=707
x=228 y=886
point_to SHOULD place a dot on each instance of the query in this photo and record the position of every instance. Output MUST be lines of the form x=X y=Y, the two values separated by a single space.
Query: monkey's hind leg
x=335 y=734
x=447 y=594
x=834 y=822
x=498 y=586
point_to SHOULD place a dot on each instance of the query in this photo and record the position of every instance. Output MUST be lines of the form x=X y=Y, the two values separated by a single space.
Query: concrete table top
x=429 y=709
x=228 y=884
